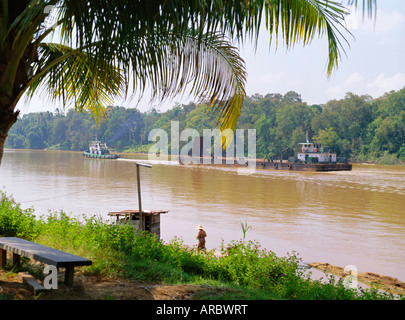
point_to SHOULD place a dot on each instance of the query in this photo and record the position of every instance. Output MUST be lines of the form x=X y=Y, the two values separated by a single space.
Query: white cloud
x=354 y=79
x=351 y=84
x=268 y=82
x=385 y=22
x=361 y=84
x=383 y=84
x=389 y=22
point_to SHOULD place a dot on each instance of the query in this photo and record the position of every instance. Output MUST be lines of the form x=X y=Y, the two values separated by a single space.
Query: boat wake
x=152 y=162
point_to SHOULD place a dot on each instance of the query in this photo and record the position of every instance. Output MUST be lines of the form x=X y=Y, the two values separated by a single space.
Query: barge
x=277 y=165
x=310 y=157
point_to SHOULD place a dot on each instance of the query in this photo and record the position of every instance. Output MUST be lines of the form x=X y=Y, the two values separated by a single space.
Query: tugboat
x=99 y=151
x=309 y=152
x=313 y=157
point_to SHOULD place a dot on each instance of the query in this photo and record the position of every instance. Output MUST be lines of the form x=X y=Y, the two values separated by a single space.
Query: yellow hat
x=200 y=227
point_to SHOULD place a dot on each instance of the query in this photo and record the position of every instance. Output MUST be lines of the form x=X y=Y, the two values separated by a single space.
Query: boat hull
x=307 y=166
x=100 y=156
x=293 y=166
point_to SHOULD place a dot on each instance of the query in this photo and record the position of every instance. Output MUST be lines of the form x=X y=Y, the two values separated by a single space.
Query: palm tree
x=105 y=49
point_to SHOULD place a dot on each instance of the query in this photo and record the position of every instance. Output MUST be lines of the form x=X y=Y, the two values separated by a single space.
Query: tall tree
x=106 y=49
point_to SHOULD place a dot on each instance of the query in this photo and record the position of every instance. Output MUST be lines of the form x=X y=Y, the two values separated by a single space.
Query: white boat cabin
x=314 y=152
x=96 y=147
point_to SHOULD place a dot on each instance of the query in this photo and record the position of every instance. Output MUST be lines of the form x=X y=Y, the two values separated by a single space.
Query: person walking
x=201 y=238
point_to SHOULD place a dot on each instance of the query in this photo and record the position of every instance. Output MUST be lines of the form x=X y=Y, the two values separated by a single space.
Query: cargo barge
x=276 y=165
x=310 y=157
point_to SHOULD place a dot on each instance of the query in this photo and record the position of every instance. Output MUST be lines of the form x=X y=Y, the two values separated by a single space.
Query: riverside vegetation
x=358 y=127
x=243 y=270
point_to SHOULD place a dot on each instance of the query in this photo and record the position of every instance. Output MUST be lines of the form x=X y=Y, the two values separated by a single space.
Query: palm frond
x=151 y=43
x=300 y=21
x=295 y=20
x=368 y=6
x=209 y=68
x=75 y=76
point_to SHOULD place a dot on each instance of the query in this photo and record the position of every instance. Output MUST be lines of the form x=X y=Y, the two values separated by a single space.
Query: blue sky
x=374 y=64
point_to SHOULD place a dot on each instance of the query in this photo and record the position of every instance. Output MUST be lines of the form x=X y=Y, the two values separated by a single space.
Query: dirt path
x=385 y=282
x=96 y=288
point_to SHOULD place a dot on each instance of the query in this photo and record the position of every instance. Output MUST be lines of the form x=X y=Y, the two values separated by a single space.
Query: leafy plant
x=15 y=221
x=245 y=227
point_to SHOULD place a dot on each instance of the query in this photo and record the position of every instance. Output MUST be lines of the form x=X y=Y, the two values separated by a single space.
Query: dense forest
x=357 y=127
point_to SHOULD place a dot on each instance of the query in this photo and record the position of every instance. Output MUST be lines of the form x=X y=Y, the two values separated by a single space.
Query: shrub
x=15 y=221
x=246 y=263
x=154 y=271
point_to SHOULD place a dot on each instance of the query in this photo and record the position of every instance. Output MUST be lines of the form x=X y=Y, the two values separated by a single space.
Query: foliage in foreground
x=243 y=269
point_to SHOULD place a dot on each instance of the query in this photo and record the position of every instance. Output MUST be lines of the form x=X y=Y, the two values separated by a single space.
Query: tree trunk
x=7 y=118
x=14 y=77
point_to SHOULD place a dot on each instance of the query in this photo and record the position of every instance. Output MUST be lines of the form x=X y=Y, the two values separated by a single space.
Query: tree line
x=357 y=127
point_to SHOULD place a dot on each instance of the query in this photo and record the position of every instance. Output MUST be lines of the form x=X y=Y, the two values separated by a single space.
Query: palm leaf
x=294 y=20
x=74 y=76
x=150 y=42
x=209 y=68
x=369 y=6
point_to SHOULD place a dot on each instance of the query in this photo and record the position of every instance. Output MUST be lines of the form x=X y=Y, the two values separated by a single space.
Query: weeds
x=245 y=227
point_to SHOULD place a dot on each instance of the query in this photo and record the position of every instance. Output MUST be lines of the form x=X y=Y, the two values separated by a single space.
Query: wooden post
x=139 y=197
x=69 y=271
x=16 y=260
x=3 y=258
x=141 y=220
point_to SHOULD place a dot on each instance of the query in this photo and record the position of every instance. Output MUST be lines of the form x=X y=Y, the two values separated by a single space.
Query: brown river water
x=344 y=218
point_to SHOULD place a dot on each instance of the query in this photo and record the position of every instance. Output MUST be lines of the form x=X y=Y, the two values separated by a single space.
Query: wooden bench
x=20 y=247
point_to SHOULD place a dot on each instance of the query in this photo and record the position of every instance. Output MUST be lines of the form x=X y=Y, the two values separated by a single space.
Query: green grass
x=244 y=270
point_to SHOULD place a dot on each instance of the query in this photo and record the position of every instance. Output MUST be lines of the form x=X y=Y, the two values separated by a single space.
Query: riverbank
x=93 y=287
x=388 y=283
x=140 y=261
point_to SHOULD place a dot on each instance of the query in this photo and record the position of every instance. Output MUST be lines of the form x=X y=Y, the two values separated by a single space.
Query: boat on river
x=99 y=150
x=311 y=156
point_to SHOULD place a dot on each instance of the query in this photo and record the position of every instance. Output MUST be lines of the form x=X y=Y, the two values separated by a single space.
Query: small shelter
x=147 y=221
x=144 y=220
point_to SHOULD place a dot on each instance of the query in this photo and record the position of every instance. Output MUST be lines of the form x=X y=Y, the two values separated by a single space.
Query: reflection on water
x=343 y=218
